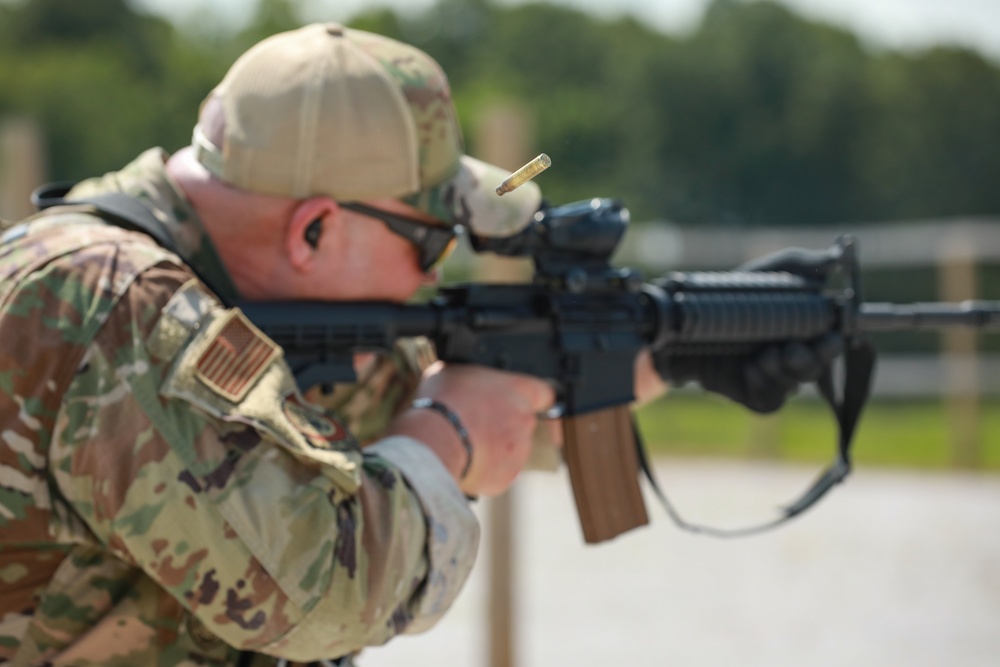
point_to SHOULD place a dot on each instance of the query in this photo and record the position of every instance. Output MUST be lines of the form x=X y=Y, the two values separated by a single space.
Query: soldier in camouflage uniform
x=167 y=496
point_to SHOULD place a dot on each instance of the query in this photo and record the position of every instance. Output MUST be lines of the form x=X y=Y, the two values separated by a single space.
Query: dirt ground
x=893 y=568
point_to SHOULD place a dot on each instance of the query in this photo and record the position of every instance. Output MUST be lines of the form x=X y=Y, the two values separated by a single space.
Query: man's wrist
x=456 y=424
x=436 y=433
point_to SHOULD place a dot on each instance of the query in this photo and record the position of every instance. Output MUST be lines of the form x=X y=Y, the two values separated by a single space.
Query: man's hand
x=762 y=381
x=765 y=379
x=499 y=412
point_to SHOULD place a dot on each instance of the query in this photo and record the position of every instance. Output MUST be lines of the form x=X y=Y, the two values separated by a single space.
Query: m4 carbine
x=580 y=323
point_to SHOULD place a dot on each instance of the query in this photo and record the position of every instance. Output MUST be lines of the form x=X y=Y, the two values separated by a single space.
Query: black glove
x=766 y=378
x=810 y=264
x=761 y=381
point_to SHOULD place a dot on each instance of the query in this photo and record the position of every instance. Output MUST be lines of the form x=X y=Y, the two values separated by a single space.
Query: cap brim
x=469 y=199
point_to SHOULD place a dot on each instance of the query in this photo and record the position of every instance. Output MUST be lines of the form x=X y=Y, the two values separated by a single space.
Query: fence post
x=22 y=166
x=502 y=138
x=957 y=282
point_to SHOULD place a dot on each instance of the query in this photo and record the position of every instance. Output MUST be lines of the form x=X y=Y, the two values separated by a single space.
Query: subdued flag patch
x=237 y=356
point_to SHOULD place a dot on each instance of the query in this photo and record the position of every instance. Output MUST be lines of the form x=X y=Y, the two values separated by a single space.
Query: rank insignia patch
x=236 y=358
x=311 y=422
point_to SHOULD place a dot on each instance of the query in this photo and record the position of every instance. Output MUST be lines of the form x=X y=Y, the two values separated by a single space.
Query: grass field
x=910 y=433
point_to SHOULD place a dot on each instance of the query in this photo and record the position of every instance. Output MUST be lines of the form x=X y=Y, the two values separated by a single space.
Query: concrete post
x=22 y=166
x=502 y=138
x=957 y=281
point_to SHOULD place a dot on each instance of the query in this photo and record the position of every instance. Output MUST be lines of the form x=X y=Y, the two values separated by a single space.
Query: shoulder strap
x=118 y=208
x=123 y=211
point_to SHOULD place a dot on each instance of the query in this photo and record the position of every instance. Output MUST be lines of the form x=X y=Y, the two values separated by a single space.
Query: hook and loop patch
x=236 y=358
x=318 y=427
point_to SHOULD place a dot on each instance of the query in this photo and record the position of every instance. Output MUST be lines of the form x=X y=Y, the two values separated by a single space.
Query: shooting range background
x=898 y=566
x=892 y=568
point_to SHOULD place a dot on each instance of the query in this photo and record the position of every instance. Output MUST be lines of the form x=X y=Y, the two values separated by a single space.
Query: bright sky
x=908 y=24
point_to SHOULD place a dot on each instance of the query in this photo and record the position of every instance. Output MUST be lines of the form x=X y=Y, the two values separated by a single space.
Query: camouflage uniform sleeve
x=188 y=452
x=435 y=486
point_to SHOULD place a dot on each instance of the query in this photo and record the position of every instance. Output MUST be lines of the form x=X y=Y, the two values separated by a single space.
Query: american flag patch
x=236 y=358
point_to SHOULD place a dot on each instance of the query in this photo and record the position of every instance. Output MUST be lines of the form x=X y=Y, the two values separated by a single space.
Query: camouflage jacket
x=167 y=497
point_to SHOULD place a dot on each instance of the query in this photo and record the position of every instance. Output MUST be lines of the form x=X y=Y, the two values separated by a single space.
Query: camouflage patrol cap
x=326 y=110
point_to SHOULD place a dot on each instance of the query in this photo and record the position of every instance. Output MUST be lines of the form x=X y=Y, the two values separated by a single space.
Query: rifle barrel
x=925 y=316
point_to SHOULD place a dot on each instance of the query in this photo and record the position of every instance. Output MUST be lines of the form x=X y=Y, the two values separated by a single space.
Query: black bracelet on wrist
x=449 y=414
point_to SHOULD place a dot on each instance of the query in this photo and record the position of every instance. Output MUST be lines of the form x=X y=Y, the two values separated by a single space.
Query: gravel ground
x=893 y=568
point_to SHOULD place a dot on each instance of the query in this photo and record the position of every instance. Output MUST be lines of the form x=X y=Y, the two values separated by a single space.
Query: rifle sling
x=846 y=404
x=119 y=209
x=859 y=363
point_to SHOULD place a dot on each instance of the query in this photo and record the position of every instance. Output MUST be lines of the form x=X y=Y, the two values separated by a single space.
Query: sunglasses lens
x=445 y=253
x=433 y=243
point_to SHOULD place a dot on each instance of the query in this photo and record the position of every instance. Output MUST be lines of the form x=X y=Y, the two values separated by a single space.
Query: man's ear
x=310 y=224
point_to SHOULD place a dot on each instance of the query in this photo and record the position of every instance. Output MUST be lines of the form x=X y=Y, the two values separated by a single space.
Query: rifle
x=581 y=322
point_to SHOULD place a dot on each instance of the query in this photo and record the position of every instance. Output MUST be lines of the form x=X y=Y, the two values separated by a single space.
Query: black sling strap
x=119 y=208
x=123 y=211
x=847 y=403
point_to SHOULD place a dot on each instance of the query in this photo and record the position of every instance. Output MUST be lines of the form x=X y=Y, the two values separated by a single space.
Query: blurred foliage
x=104 y=81
x=758 y=117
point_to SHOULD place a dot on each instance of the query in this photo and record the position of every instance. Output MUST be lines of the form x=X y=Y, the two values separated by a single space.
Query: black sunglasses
x=433 y=242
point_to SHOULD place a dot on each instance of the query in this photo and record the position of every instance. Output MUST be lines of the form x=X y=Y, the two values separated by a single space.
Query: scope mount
x=571 y=246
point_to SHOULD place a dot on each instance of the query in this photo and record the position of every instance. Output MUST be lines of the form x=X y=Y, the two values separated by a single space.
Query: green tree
x=757 y=117
x=40 y=25
x=759 y=110
x=931 y=148
x=104 y=81
x=271 y=17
